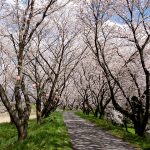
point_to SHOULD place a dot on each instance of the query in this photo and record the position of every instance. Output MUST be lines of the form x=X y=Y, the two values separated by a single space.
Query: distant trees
x=92 y=88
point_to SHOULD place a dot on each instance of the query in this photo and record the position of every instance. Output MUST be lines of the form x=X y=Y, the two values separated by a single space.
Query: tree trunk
x=46 y=114
x=38 y=115
x=38 y=110
x=101 y=114
x=139 y=130
x=96 y=112
x=11 y=119
x=22 y=132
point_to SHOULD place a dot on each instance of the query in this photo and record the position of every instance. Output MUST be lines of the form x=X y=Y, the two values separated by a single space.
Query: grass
x=50 y=135
x=131 y=137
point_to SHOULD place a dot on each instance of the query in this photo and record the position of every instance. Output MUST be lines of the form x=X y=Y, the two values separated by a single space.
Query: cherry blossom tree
x=101 y=36
x=54 y=57
x=24 y=18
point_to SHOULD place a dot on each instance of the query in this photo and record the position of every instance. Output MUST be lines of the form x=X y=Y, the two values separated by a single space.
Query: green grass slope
x=50 y=135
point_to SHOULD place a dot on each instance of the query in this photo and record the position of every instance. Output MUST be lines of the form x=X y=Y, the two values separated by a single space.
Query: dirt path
x=86 y=136
x=6 y=118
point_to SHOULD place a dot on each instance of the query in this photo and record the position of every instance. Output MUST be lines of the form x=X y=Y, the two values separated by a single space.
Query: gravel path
x=85 y=136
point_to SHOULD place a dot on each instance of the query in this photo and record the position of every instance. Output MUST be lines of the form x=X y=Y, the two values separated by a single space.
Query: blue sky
x=117 y=19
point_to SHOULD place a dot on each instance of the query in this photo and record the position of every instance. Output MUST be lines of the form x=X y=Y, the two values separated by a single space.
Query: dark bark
x=51 y=107
x=96 y=111
x=22 y=131
x=38 y=110
x=102 y=113
x=20 y=120
x=139 y=130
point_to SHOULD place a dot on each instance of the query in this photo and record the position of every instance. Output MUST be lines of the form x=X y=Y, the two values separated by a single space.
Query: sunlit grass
x=131 y=137
x=50 y=135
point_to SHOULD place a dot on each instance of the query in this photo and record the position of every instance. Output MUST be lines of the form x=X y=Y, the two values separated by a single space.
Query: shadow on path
x=85 y=136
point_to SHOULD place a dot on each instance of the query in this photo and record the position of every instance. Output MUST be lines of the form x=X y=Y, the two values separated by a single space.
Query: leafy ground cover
x=51 y=134
x=131 y=137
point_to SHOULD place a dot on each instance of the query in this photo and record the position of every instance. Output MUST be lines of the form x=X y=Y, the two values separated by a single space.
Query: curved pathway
x=85 y=136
